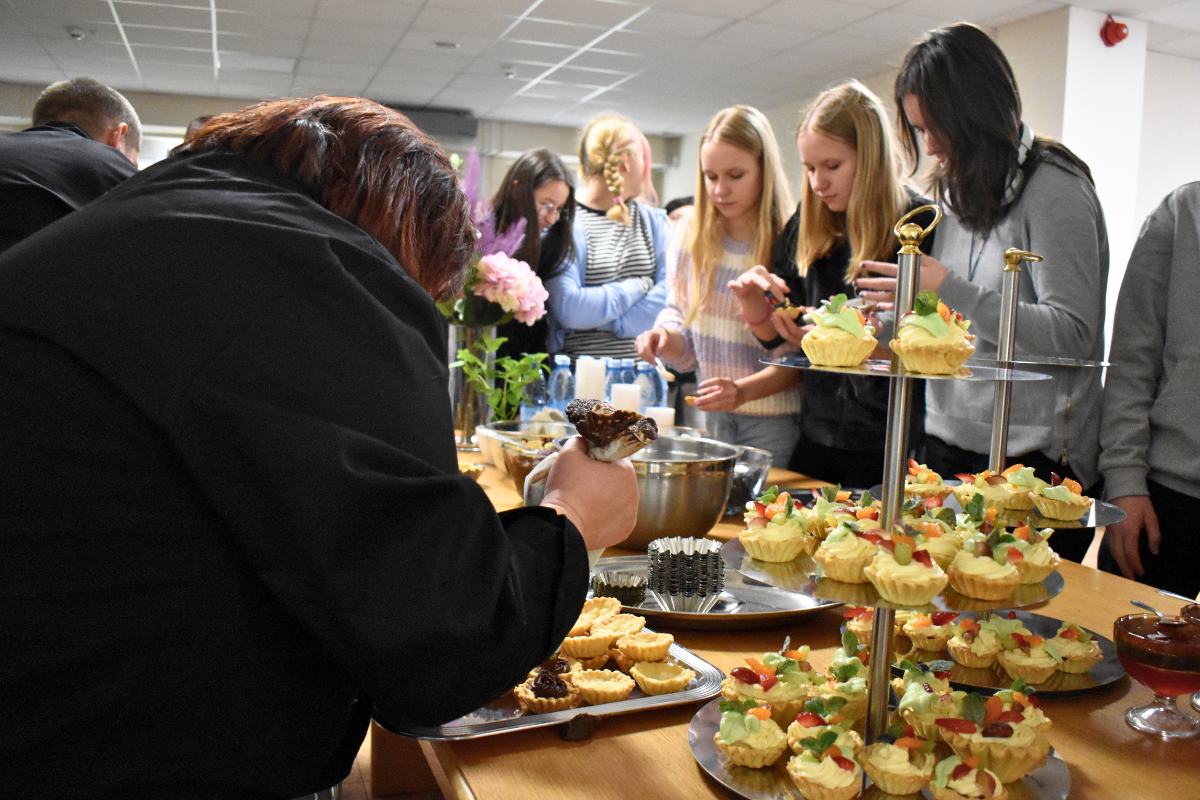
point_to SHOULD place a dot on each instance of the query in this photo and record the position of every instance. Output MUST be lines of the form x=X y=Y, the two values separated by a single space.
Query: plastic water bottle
x=647 y=379
x=612 y=374
x=628 y=374
x=562 y=384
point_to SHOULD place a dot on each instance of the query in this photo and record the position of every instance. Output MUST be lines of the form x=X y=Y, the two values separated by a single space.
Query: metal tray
x=505 y=715
x=804 y=576
x=1050 y=782
x=1060 y=684
x=1101 y=513
x=744 y=605
x=882 y=368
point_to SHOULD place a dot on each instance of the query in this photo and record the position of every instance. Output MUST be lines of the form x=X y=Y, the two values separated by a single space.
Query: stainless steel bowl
x=684 y=483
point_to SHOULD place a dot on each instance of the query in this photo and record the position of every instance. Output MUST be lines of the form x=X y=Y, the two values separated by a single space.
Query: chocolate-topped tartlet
x=612 y=433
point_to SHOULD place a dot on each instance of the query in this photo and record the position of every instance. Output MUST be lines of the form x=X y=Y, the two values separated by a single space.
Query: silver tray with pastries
x=746 y=604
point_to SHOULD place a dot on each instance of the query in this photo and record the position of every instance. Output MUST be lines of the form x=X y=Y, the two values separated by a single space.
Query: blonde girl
x=613 y=287
x=852 y=197
x=742 y=201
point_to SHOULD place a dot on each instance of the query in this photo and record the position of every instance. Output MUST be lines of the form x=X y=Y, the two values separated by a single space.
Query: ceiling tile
x=763 y=36
x=249 y=92
x=307 y=85
x=512 y=7
x=483 y=24
x=392 y=14
x=167 y=37
x=286 y=8
x=87 y=49
x=165 y=16
x=10 y=44
x=684 y=24
x=35 y=75
x=354 y=35
x=1157 y=34
x=957 y=10
x=1181 y=15
x=490 y=65
x=149 y=54
x=427 y=41
x=335 y=51
x=554 y=32
x=812 y=14
x=447 y=60
x=261 y=45
x=892 y=26
x=256 y=62
x=741 y=9
x=418 y=77
x=27 y=60
x=528 y=51
x=1024 y=12
x=1188 y=47
x=401 y=93
x=276 y=81
x=337 y=70
x=586 y=12
x=264 y=25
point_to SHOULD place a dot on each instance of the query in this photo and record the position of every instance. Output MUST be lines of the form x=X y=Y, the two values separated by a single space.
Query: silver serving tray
x=505 y=715
x=1036 y=361
x=805 y=576
x=1050 y=782
x=744 y=605
x=882 y=368
x=1101 y=513
x=1060 y=684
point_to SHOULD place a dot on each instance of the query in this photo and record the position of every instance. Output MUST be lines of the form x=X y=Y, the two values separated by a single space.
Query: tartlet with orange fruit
x=1079 y=649
x=748 y=736
x=932 y=338
x=841 y=336
x=825 y=770
x=923 y=482
x=1010 y=746
x=956 y=778
x=899 y=762
x=992 y=487
x=784 y=679
x=904 y=573
x=931 y=631
x=1062 y=499
x=778 y=529
x=1037 y=559
x=819 y=715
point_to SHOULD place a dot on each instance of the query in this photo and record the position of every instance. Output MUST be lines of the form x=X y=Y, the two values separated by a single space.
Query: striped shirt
x=719 y=342
x=614 y=252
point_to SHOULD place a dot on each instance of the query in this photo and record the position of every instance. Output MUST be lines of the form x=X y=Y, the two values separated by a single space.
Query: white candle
x=589 y=378
x=664 y=416
x=627 y=396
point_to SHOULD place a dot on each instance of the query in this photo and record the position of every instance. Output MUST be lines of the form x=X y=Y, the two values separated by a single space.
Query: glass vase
x=468 y=403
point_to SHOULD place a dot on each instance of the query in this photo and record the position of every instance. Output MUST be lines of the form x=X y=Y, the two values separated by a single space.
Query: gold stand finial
x=911 y=234
x=1013 y=258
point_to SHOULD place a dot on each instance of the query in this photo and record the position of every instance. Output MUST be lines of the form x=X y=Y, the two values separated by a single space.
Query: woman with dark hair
x=1005 y=188
x=234 y=526
x=538 y=189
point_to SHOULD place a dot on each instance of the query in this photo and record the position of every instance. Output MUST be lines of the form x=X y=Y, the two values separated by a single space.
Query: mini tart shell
x=1021 y=499
x=544 y=705
x=585 y=647
x=891 y=783
x=963 y=654
x=816 y=791
x=906 y=592
x=923 y=490
x=936 y=358
x=782 y=711
x=613 y=628
x=1029 y=574
x=842 y=568
x=1030 y=672
x=925 y=728
x=997 y=498
x=775 y=551
x=930 y=637
x=659 y=677
x=744 y=755
x=645 y=645
x=1008 y=763
x=593 y=611
x=599 y=686
x=599 y=662
x=1077 y=665
x=1057 y=509
x=983 y=588
x=837 y=351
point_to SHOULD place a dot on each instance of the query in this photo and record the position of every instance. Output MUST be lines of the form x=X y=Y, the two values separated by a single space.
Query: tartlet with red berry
x=1010 y=747
x=825 y=771
x=899 y=763
x=785 y=680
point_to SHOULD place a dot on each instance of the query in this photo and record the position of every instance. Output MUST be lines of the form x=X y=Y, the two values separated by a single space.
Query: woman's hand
x=883 y=290
x=757 y=282
x=719 y=394
x=786 y=327
x=1124 y=537
x=659 y=342
x=600 y=499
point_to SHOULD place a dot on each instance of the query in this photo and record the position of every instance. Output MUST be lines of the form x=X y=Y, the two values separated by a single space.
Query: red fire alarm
x=1112 y=31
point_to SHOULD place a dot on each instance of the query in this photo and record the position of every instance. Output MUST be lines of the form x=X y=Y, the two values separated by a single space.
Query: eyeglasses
x=550 y=208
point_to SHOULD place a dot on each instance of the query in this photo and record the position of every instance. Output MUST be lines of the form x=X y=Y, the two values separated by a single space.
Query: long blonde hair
x=851 y=113
x=746 y=129
x=606 y=141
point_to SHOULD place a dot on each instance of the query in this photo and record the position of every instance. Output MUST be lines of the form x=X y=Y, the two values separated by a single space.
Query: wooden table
x=646 y=754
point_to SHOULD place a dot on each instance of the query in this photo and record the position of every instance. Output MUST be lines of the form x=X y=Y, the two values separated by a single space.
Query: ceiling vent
x=441 y=123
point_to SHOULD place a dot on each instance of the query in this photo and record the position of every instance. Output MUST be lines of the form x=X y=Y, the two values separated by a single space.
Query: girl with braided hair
x=613 y=287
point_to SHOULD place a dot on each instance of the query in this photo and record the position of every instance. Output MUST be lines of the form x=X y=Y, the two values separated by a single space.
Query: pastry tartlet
x=898 y=768
x=1011 y=750
x=846 y=551
x=956 y=779
x=840 y=337
x=904 y=574
x=645 y=645
x=748 y=736
x=614 y=627
x=922 y=708
x=1078 y=648
x=1063 y=500
x=831 y=507
x=547 y=692
x=934 y=676
x=661 y=677
x=932 y=338
x=1037 y=559
x=993 y=488
x=973 y=645
x=922 y=482
x=1028 y=657
x=825 y=771
x=981 y=576
x=585 y=646
x=1021 y=485
x=931 y=631
x=593 y=611
x=1019 y=704
x=785 y=681
x=599 y=686
x=820 y=715
x=779 y=529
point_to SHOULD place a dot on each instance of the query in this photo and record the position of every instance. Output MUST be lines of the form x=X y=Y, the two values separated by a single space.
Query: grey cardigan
x=1060 y=314
x=1150 y=396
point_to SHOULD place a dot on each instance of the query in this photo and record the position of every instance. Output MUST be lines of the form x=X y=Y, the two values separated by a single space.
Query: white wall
x=1037 y=50
x=1169 y=155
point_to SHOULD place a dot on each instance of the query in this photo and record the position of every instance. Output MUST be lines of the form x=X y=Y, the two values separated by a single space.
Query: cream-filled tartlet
x=825 y=771
x=922 y=708
x=785 y=681
x=956 y=779
x=1037 y=559
x=899 y=767
x=1061 y=500
x=779 y=530
x=922 y=482
x=820 y=715
x=1020 y=704
x=846 y=551
x=1079 y=649
x=831 y=507
x=1011 y=750
x=993 y=488
x=748 y=736
x=932 y=338
x=1028 y=657
x=860 y=621
x=904 y=574
x=934 y=676
x=841 y=336
x=941 y=544
x=931 y=631
x=978 y=572
x=973 y=645
x=1021 y=485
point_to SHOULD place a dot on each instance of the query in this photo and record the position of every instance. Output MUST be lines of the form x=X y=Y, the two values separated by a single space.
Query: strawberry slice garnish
x=1012 y=615
x=933 y=502
x=808 y=719
x=924 y=557
x=913 y=467
x=1014 y=556
x=873 y=538
x=858 y=611
x=744 y=675
x=943 y=617
x=767 y=681
x=985 y=782
x=760 y=509
x=844 y=763
x=957 y=725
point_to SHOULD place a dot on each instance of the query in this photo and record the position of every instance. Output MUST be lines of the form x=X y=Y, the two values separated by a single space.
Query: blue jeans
x=778 y=434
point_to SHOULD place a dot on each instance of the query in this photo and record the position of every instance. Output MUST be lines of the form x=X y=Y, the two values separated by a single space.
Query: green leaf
x=835 y=304
x=926 y=302
x=896 y=730
x=974 y=508
x=820 y=744
x=740 y=706
x=909 y=666
x=815 y=706
x=830 y=493
x=845 y=672
x=769 y=496
x=972 y=708
x=850 y=643
x=940 y=665
x=479 y=312
x=945 y=515
x=867 y=500
x=785 y=665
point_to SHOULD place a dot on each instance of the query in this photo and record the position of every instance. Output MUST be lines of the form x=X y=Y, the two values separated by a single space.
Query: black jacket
x=49 y=171
x=233 y=522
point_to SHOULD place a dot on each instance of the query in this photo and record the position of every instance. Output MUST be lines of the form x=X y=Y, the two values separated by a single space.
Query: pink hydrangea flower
x=513 y=286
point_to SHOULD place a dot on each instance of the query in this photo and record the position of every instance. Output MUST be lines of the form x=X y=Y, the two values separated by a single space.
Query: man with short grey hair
x=84 y=141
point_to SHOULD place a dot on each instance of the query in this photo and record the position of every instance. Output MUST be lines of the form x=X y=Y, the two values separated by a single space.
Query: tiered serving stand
x=1002 y=372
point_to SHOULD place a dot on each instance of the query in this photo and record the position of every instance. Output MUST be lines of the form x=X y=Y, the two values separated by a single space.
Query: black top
x=840 y=411
x=49 y=171
x=233 y=522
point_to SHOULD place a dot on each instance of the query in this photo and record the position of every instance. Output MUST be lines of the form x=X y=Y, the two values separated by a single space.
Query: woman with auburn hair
x=1004 y=188
x=852 y=197
x=227 y=448
x=742 y=200
x=612 y=288
x=538 y=189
